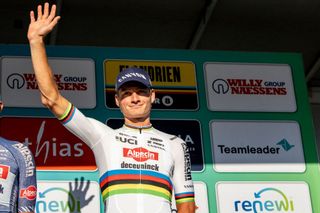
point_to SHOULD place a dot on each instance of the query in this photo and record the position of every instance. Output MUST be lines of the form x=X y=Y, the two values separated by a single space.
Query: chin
x=137 y=117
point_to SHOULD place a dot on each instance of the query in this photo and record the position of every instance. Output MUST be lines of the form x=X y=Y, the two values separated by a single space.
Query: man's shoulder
x=8 y=142
x=17 y=149
x=98 y=123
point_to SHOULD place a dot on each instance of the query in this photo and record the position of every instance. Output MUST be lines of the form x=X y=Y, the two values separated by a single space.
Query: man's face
x=1 y=106
x=135 y=101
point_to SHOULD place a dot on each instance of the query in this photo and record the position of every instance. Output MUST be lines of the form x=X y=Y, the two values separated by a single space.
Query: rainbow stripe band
x=68 y=114
x=184 y=197
x=135 y=181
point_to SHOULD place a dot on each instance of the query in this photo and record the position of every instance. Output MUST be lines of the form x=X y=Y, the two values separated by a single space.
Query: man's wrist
x=36 y=41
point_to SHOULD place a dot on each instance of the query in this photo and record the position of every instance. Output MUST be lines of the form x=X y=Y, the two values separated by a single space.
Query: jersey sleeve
x=87 y=129
x=182 y=180
x=27 y=182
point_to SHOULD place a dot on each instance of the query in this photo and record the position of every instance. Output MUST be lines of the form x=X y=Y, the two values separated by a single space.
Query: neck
x=138 y=127
x=138 y=123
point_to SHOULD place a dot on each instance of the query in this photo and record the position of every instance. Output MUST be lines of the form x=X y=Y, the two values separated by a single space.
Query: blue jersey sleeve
x=25 y=184
x=27 y=179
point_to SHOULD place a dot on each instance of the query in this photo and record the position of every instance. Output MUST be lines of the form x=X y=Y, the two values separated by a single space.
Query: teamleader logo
x=249 y=87
x=28 y=81
x=249 y=149
x=279 y=203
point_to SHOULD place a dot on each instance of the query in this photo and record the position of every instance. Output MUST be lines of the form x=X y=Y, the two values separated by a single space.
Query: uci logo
x=15 y=81
x=220 y=86
x=127 y=140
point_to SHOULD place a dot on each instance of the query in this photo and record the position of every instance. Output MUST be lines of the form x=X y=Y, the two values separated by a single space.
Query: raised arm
x=39 y=27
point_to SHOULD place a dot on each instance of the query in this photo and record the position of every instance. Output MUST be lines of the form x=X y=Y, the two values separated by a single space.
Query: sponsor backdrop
x=245 y=117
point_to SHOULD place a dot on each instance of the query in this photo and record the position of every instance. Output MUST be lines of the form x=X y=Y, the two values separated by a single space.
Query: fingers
x=54 y=22
x=52 y=12
x=90 y=198
x=39 y=12
x=87 y=186
x=81 y=183
x=46 y=14
x=70 y=187
x=76 y=183
x=32 y=19
x=46 y=10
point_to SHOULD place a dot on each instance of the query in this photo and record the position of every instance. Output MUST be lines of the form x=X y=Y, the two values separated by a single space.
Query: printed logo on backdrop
x=188 y=130
x=75 y=79
x=257 y=146
x=63 y=196
x=200 y=196
x=53 y=146
x=263 y=197
x=174 y=82
x=249 y=87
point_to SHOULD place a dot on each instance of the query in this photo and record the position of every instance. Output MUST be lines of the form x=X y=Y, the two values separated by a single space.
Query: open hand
x=79 y=192
x=42 y=25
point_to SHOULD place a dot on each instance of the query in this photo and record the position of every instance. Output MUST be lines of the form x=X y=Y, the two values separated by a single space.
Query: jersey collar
x=146 y=127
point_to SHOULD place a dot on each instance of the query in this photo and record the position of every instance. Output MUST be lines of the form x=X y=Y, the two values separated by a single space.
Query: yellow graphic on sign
x=162 y=73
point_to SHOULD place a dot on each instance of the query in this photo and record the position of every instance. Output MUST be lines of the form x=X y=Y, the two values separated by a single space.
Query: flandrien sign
x=174 y=81
x=249 y=87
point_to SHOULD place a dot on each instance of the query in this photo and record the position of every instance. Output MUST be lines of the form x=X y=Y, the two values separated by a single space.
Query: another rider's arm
x=182 y=180
x=39 y=27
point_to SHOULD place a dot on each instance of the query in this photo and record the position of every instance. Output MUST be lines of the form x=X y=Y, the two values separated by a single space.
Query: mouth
x=136 y=106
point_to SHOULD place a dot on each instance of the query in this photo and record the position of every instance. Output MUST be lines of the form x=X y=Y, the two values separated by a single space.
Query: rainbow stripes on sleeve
x=125 y=181
x=184 y=197
x=68 y=114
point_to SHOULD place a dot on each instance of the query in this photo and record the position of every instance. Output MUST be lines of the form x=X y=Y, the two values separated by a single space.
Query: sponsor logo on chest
x=140 y=154
x=156 y=143
x=127 y=140
x=4 y=171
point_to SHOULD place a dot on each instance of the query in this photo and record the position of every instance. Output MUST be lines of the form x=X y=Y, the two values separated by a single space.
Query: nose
x=135 y=97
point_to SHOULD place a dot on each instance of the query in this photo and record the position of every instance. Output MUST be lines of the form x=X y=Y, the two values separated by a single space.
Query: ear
x=116 y=98
x=153 y=95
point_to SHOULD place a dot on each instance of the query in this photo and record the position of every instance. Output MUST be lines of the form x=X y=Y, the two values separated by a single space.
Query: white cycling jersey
x=139 y=168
